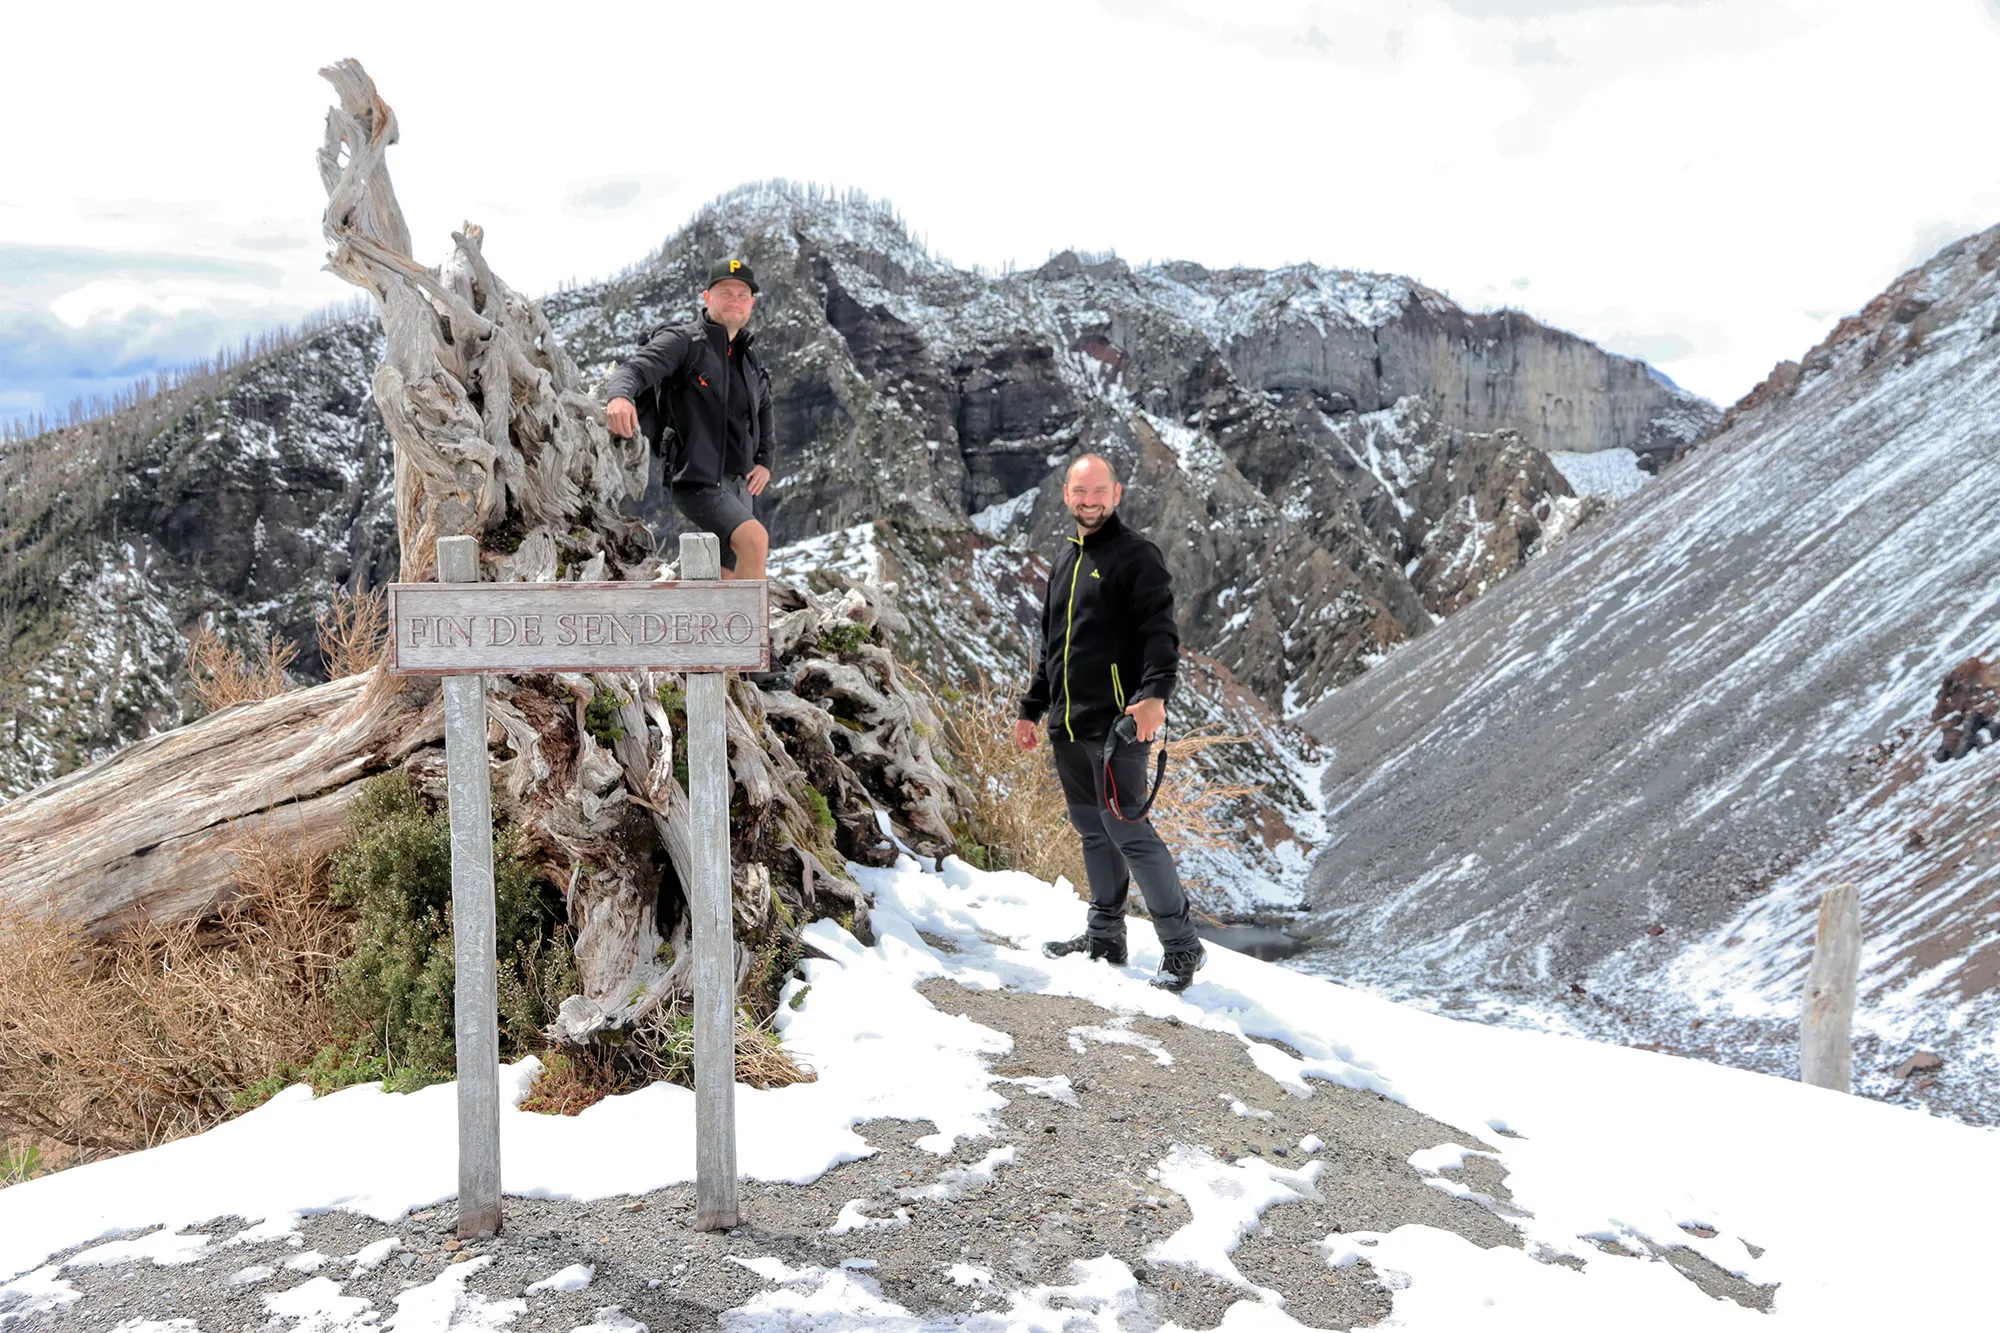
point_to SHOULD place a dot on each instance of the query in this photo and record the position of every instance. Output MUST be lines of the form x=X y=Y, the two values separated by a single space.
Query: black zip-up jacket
x=714 y=395
x=1108 y=635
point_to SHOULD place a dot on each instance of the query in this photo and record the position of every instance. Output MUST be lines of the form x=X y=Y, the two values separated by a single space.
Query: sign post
x=475 y=1003
x=714 y=936
x=462 y=629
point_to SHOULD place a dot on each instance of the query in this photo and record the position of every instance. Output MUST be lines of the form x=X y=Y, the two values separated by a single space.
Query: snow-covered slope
x=1626 y=1176
x=1634 y=768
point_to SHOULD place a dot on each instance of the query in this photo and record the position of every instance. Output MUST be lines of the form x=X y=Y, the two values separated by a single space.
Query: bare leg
x=752 y=544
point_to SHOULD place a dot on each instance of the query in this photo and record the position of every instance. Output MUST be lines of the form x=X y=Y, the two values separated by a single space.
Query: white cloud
x=113 y=299
x=1648 y=161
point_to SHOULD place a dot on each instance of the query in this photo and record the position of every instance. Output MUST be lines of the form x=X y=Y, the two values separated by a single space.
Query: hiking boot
x=776 y=681
x=1110 y=951
x=1177 y=969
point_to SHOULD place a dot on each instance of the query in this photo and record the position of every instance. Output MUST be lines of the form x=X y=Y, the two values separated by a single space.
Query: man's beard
x=1091 y=524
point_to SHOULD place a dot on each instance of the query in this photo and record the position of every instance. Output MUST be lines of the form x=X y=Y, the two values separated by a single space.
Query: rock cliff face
x=1330 y=460
x=1636 y=766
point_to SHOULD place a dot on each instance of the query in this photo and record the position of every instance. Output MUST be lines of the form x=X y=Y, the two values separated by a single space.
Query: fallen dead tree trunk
x=152 y=832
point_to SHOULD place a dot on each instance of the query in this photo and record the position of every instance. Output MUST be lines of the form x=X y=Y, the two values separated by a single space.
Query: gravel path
x=1081 y=1143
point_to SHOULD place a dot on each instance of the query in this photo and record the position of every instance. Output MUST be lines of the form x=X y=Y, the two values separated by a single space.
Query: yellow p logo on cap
x=735 y=264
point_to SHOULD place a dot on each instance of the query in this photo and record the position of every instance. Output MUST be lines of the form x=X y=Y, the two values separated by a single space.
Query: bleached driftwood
x=490 y=417
x=153 y=830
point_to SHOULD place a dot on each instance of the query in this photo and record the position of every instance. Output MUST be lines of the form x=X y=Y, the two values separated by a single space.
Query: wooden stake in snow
x=475 y=1007
x=1826 y=1047
x=714 y=934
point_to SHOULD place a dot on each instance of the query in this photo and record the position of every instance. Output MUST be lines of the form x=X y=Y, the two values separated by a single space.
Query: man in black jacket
x=713 y=418
x=1109 y=647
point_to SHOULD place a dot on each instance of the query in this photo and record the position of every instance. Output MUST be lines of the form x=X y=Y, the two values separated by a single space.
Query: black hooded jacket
x=714 y=397
x=1108 y=634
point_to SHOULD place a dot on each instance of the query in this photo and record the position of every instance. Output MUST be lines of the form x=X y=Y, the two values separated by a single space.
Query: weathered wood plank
x=85 y=845
x=475 y=1000
x=714 y=930
x=442 y=628
x=1826 y=1047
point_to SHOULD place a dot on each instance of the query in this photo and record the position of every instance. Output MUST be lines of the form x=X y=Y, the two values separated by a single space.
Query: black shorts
x=718 y=509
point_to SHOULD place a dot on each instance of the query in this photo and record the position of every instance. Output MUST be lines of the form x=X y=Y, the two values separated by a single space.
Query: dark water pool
x=1269 y=943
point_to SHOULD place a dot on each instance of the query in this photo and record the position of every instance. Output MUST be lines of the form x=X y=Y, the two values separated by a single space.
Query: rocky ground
x=1071 y=1172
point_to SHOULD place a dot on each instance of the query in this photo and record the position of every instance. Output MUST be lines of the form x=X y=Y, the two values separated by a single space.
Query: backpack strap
x=689 y=355
x=652 y=405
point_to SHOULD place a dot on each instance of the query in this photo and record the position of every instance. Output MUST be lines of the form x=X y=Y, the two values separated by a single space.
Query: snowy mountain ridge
x=911 y=392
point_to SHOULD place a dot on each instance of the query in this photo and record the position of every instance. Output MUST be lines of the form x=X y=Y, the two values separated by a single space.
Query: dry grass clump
x=224 y=674
x=572 y=1082
x=1019 y=818
x=354 y=633
x=1193 y=809
x=112 y=1045
x=659 y=1049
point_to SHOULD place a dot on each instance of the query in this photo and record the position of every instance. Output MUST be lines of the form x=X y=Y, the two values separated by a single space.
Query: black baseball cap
x=732 y=268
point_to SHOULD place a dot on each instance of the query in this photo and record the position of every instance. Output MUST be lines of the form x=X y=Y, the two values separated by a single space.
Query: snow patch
x=1611 y=473
x=574 y=1278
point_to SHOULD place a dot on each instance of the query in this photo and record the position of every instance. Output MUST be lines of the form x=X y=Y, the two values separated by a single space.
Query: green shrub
x=842 y=640
x=600 y=717
x=18 y=1164
x=674 y=699
x=331 y=1069
x=393 y=995
x=822 y=813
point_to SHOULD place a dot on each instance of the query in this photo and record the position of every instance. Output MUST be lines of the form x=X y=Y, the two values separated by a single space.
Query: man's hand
x=760 y=477
x=1024 y=734
x=1150 y=714
x=622 y=418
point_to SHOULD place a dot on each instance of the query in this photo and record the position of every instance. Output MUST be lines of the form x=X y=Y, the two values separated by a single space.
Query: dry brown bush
x=1019 y=817
x=1194 y=809
x=659 y=1049
x=354 y=633
x=1019 y=820
x=224 y=674
x=572 y=1082
x=112 y=1045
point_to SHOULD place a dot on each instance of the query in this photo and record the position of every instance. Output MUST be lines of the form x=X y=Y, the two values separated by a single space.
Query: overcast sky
x=1707 y=185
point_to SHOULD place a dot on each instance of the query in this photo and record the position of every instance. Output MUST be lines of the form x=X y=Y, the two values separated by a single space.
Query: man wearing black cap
x=703 y=399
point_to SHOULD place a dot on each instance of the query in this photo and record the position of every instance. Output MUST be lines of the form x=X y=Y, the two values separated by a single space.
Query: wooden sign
x=462 y=629
x=444 y=629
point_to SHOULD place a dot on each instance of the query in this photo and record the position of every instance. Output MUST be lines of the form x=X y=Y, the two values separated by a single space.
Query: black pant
x=1115 y=851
